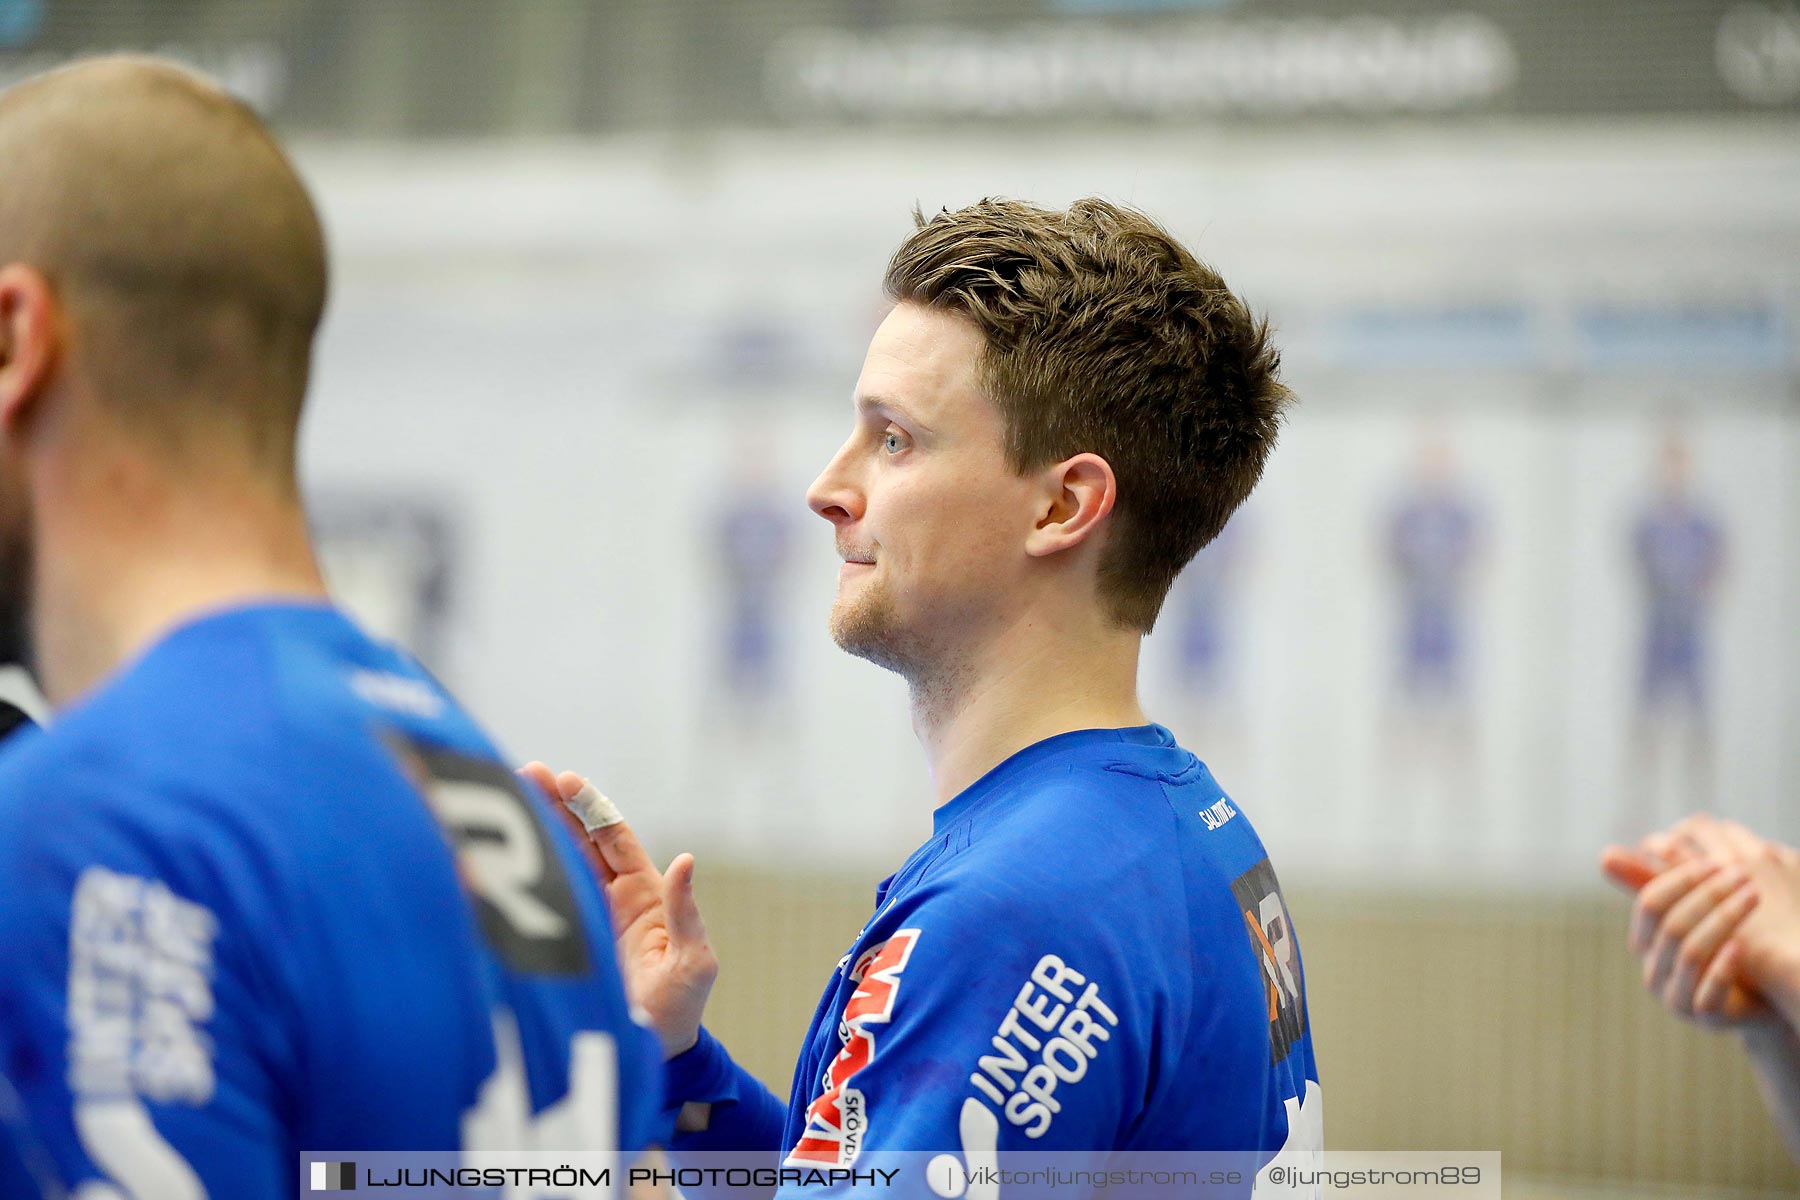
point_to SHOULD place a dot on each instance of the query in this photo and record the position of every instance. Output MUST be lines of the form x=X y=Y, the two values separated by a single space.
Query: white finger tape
x=594 y=810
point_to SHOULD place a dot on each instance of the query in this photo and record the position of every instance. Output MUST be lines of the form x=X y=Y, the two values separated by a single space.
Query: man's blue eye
x=891 y=441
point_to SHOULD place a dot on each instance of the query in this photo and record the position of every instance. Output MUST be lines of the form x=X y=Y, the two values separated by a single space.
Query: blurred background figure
x=753 y=541
x=1433 y=549
x=752 y=716
x=1205 y=618
x=605 y=277
x=1678 y=547
x=392 y=558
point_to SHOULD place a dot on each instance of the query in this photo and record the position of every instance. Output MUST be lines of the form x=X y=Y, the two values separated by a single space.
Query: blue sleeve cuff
x=702 y=1073
x=745 y=1114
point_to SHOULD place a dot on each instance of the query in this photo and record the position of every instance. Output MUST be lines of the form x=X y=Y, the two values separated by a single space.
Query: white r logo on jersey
x=501 y=852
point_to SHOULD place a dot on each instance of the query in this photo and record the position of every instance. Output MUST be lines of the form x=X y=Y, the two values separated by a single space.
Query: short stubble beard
x=867 y=626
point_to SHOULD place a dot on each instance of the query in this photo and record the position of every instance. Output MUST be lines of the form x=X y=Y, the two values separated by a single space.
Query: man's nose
x=834 y=494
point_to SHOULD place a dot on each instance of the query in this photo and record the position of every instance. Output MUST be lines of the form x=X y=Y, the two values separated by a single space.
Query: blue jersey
x=270 y=891
x=1091 y=953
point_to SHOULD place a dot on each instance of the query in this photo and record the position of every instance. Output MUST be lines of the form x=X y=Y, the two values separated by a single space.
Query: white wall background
x=531 y=340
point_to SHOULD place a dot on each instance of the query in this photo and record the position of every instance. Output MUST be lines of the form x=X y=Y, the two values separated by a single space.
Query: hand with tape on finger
x=592 y=808
x=668 y=963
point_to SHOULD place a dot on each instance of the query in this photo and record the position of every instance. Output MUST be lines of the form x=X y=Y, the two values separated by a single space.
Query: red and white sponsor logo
x=838 y=1121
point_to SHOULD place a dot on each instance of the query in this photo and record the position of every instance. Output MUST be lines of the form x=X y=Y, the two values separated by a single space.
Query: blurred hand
x=668 y=964
x=1717 y=922
x=1681 y=930
x=1703 y=835
x=1770 y=938
x=1695 y=837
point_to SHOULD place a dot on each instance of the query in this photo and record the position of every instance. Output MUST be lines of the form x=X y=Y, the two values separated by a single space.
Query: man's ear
x=28 y=341
x=1078 y=495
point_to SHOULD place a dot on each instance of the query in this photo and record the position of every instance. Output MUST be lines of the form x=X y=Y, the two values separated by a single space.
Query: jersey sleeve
x=992 y=1017
x=132 y=1022
x=743 y=1114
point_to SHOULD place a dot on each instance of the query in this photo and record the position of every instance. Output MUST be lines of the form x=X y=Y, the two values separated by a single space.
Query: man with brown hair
x=1091 y=952
x=265 y=888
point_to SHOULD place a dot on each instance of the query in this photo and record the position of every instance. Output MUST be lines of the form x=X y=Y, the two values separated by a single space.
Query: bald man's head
x=184 y=254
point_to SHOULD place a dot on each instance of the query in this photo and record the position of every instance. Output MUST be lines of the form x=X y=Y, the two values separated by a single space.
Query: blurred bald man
x=265 y=890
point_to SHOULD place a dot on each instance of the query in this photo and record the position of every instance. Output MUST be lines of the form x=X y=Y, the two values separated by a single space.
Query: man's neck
x=1029 y=684
x=120 y=567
